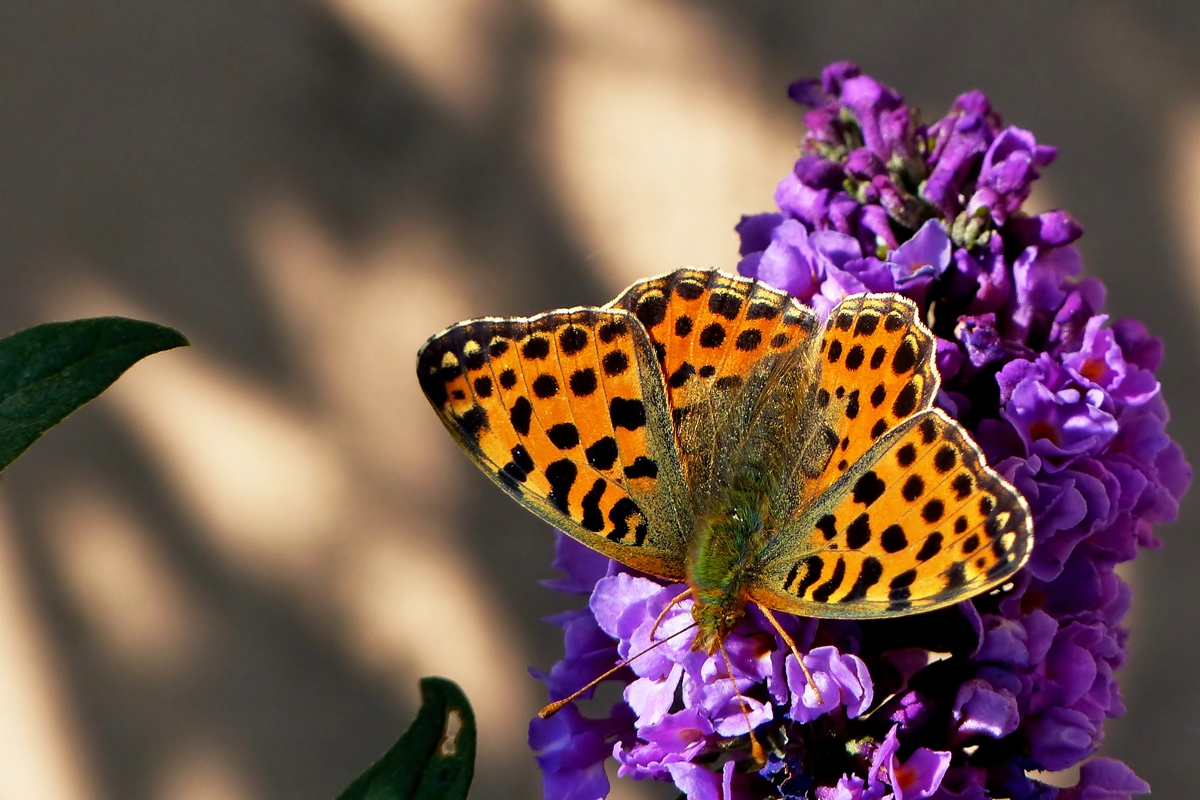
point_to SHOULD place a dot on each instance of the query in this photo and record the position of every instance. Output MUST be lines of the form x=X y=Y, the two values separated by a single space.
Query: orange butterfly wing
x=566 y=412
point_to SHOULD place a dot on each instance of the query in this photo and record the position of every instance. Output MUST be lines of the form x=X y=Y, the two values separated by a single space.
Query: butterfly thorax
x=723 y=557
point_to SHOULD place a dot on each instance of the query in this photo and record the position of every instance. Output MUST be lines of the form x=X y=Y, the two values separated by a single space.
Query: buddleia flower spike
x=1022 y=383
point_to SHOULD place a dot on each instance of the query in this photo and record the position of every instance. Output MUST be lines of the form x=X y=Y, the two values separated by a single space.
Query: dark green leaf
x=434 y=759
x=48 y=371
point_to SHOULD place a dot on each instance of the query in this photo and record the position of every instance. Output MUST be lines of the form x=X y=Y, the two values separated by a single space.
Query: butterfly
x=710 y=429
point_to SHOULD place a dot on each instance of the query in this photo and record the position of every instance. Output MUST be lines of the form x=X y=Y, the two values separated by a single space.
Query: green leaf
x=48 y=371
x=434 y=759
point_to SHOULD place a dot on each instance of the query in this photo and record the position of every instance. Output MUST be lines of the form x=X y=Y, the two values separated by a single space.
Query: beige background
x=223 y=579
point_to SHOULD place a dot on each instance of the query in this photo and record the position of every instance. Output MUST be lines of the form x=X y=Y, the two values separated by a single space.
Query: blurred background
x=222 y=580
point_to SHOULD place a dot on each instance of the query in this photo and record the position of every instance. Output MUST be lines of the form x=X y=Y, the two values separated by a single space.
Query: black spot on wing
x=474 y=420
x=956 y=576
x=561 y=476
x=712 y=336
x=906 y=356
x=913 y=488
x=572 y=339
x=475 y=359
x=868 y=488
x=823 y=592
x=626 y=413
x=614 y=363
x=520 y=415
x=878 y=395
x=642 y=467
x=962 y=485
x=813 y=566
x=611 y=330
x=791 y=578
x=683 y=325
x=680 y=376
x=868 y=321
x=931 y=547
x=651 y=309
x=593 y=517
x=852 y=405
x=483 y=386
x=602 y=454
x=522 y=459
x=868 y=575
x=725 y=304
x=945 y=459
x=748 y=340
x=761 y=310
x=619 y=516
x=854 y=358
x=858 y=532
x=689 y=290
x=583 y=382
x=536 y=348
x=893 y=539
x=827 y=525
x=545 y=386
x=906 y=401
x=898 y=589
x=564 y=435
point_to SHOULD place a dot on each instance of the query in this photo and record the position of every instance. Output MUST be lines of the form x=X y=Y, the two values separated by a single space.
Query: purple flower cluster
x=958 y=704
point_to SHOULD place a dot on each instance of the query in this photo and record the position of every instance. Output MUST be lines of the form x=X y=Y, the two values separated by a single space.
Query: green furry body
x=724 y=555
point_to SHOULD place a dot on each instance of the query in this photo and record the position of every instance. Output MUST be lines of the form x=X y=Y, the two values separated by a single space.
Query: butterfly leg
x=792 y=646
x=679 y=598
x=756 y=749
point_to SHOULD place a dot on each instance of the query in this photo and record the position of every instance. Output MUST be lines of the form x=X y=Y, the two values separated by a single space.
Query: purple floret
x=963 y=703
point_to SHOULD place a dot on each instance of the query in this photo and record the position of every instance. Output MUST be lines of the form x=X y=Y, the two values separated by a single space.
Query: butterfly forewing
x=876 y=363
x=566 y=412
x=733 y=354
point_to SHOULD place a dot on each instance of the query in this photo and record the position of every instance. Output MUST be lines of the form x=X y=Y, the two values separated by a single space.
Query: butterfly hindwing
x=918 y=523
x=566 y=411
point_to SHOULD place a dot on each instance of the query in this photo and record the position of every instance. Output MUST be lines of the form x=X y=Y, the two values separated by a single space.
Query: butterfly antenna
x=756 y=749
x=557 y=705
x=792 y=645
x=679 y=598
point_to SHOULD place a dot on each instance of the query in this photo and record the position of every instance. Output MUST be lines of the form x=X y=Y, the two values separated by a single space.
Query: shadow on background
x=224 y=579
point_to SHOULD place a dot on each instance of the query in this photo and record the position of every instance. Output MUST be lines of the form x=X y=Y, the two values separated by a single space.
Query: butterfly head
x=716 y=615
